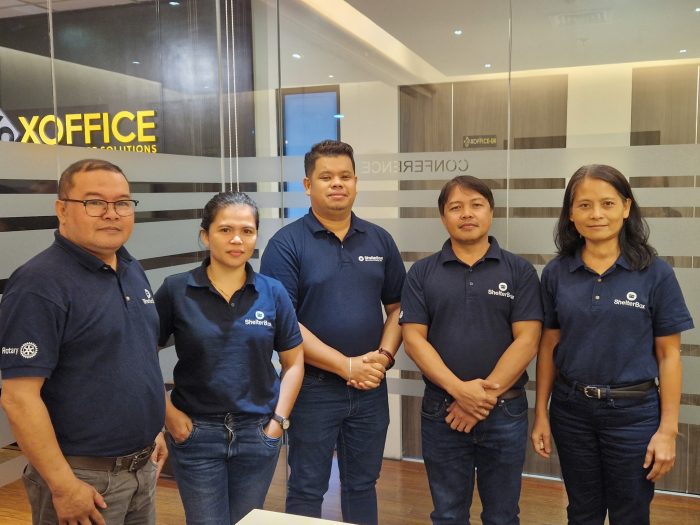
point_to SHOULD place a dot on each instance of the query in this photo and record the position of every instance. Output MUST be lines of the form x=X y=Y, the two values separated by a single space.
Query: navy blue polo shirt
x=608 y=322
x=469 y=310
x=337 y=288
x=92 y=333
x=225 y=349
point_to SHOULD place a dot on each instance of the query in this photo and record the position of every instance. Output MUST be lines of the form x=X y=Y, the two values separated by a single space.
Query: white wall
x=599 y=111
x=371 y=117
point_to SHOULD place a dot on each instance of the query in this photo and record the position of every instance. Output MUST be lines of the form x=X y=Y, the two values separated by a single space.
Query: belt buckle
x=593 y=392
x=139 y=459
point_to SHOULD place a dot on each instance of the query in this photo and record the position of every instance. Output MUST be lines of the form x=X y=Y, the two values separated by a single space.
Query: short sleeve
x=394 y=274
x=670 y=314
x=31 y=328
x=280 y=262
x=164 y=305
x=287 y=333
x=528 y=298
x=413 y=305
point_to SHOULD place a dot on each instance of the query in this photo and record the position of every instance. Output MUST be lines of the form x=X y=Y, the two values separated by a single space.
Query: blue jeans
x=601 y=445
x=329 y=415
x=130 y=496
x=495 y=449
x=224 y=467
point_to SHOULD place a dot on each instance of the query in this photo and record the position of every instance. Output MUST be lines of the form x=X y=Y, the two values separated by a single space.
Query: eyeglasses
x=98 y=207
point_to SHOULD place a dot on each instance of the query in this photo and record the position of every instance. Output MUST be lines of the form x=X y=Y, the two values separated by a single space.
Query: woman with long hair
x=609 y=356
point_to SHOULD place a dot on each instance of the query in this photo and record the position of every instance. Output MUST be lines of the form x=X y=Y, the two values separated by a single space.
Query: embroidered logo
x=28 y=350
x=259 y=320
x=502 y=291
x=630 y=300
x=149 y=299
x=370 y=258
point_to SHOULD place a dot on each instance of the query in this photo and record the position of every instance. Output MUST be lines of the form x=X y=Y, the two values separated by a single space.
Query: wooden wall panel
x=410 y=420
x=538 y=111
x=429 y=112
x=664 y=102
x=425 y=117
x=693 y=459
x=480 y=108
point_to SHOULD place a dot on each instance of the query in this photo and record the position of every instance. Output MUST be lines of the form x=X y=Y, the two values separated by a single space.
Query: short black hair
x=65 y=183
x=466 y=182
x=327 y=148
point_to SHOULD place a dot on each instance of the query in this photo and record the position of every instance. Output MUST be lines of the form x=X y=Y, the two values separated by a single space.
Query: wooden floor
x=404 y=499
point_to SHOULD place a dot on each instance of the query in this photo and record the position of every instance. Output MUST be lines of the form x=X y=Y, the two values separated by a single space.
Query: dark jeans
x=602 y=444
x=329 y=415
x=495 y=449
x=224 y=468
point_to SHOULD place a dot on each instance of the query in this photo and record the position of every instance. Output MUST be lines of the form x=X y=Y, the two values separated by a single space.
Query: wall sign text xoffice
x=124 y=131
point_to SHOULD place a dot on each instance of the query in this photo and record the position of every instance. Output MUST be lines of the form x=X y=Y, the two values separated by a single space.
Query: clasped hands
x=473 y=402
x=367 y=371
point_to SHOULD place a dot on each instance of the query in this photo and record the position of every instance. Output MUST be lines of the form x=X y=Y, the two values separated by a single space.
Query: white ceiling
x=545 y=34
x=411 y=41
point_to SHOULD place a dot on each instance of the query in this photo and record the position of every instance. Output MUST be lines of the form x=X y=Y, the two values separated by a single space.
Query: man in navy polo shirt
x=82 y=386
x=471 y=316
x=339 y=270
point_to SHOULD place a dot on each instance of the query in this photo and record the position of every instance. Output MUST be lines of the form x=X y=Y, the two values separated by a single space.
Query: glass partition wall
x=190 y=97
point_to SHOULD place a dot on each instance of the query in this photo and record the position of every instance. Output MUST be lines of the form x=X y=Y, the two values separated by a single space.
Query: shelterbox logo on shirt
x=259 y=320
x=149 y=299
x=370 y=258
x=630 y=300
x=502 y=291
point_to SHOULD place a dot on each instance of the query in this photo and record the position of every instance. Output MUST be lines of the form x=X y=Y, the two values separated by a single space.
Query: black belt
x=131 y=462
x=610 y=392
x=511 y=394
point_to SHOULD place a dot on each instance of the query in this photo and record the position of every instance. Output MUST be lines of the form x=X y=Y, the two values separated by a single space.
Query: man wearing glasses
x=82 y=386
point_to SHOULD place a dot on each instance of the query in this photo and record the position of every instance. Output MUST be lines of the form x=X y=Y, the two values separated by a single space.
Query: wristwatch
x=283 y=421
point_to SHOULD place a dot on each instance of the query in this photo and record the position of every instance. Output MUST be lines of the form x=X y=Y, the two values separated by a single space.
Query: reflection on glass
x=25 y=68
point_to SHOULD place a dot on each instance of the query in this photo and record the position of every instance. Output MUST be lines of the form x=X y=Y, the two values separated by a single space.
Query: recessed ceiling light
x=683 y=51
x=135 y=62
x=174 y=3
x=331 y=76
x=296 y=55
x=697 y=9
x=457 y=32
x=487 y=66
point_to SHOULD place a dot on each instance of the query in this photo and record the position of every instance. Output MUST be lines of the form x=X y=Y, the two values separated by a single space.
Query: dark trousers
x=330 y=415
x=601 y=445
x=493 y=452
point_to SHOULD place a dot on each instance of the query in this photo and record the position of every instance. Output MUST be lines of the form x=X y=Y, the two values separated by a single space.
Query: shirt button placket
x=596 y=290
